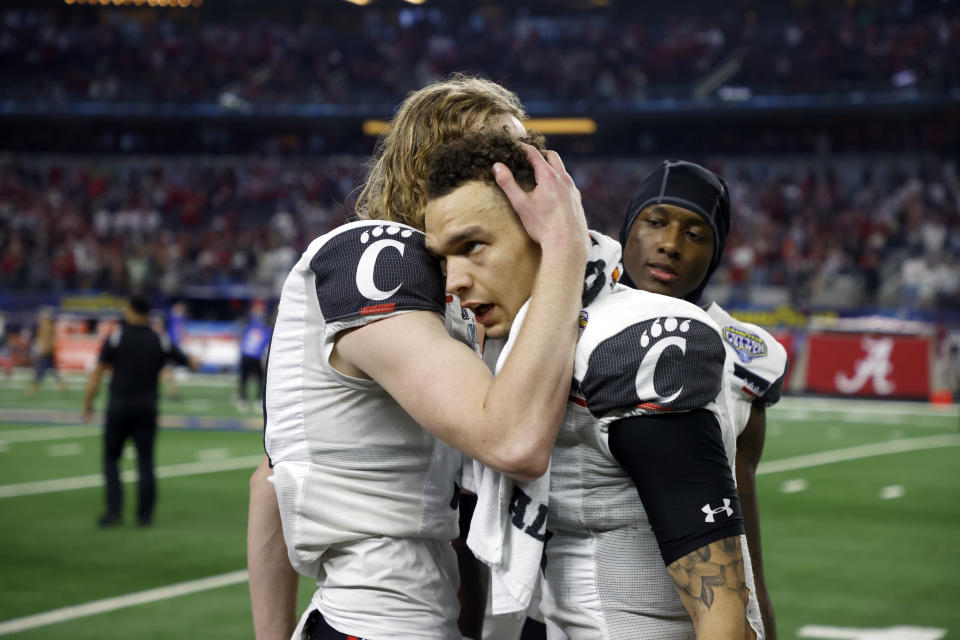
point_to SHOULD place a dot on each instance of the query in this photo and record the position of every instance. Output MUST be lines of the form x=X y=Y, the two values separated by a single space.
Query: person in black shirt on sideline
x=136 y=354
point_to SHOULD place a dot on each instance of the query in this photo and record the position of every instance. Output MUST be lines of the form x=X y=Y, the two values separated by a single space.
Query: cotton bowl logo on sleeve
x=747 y=345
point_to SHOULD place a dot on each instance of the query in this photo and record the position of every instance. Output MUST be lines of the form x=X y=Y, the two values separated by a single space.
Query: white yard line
x=112 y=604
x=923 y=421
x=168 y=471
x=213 y=582
x=861 y=451
x=39 y=434
x=864 y=406
x=77 y=378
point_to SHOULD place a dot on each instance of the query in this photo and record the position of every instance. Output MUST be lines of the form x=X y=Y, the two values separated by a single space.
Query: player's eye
x=654 y=222
x=472 y=247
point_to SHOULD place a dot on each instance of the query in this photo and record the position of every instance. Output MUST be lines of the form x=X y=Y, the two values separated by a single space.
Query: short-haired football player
x=673 y=236
x=370 y=399
x=643 y=417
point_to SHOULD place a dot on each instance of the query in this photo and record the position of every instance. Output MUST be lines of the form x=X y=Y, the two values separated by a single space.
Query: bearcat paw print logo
x=380 y=238
x=377 y=232
x=656 y=329
x=664 y=334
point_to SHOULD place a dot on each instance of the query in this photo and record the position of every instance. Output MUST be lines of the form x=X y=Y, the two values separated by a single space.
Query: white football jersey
x=760 y=363
x=639 y=353
x=354 y=473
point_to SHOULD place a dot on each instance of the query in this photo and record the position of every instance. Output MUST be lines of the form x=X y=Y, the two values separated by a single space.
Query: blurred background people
x=135 y=355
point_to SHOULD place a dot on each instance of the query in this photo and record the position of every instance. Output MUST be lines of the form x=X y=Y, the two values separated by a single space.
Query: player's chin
x=496 y=330
x=651 y=284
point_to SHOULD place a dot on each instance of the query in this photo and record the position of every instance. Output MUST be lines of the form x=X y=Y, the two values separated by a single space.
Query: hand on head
x=552 y=213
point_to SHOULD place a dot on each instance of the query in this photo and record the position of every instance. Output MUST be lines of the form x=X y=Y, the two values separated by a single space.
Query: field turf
x=860 y=509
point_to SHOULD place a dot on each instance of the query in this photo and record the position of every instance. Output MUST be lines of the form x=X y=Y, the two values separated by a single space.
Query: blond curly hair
x=395 y=186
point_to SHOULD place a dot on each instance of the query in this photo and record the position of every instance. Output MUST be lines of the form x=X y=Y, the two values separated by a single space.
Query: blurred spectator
x=44 y=354
x=623 y=52
x=884 y=229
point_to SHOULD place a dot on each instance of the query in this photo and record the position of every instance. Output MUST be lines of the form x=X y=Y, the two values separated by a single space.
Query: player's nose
x=458 y=277
x=670 y=239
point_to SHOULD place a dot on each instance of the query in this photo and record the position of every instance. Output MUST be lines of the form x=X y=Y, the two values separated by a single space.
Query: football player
x=673 y=236
x=645 y=415
x=369 y=400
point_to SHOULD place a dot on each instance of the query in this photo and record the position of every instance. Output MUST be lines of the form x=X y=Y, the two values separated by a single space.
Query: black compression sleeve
x=679 y=466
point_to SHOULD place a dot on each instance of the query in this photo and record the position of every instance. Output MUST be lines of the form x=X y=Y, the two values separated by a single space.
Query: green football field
x=860 y=505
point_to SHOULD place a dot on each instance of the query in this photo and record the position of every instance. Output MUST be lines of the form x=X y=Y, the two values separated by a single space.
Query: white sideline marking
x=208 y=455
x=855 y=633
x=119 y=602
x=18 y=385
x=794 y=486
x=861 y=451
x=168 y=471
x=39 y=434
x=865 y=405
x=109 y=604
x=892 y=492
x=927 y=420
x=64 y=449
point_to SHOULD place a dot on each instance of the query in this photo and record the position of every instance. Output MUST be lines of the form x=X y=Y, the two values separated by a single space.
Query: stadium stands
x=544 y=52
x=246 y=129
x=884 y=228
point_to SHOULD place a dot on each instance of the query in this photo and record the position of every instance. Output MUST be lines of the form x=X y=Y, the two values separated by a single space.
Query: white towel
x=512 y=554
x=512 y=544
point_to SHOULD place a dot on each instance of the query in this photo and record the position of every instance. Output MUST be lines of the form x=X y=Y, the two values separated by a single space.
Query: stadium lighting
x=359 y=3
x=562 y=126
x=183 y=4
x=374 y=127
x=551 y=126
x=415 y=1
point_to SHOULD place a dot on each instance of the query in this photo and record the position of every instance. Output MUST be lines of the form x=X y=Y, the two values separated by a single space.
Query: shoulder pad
x=635 y=357
x=374 y=267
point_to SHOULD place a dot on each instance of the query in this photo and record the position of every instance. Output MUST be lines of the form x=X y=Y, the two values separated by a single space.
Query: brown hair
x=395 y=186
x=471 y=158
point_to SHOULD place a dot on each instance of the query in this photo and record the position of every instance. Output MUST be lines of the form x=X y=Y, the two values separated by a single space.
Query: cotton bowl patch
x=747 y=345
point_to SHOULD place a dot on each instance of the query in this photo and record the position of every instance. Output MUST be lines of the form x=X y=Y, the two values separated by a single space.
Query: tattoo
x=731 y=545
x=703 y=575
x=703 y=553
x=706 y=589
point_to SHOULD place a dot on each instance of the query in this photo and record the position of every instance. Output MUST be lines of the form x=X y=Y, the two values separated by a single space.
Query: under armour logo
x=710 y=511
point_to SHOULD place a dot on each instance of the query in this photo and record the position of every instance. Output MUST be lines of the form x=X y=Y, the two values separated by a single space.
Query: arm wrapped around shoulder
x=679 y=466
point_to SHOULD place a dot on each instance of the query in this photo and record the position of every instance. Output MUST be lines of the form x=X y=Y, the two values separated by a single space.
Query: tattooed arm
x=679 y=467
x=711 y=585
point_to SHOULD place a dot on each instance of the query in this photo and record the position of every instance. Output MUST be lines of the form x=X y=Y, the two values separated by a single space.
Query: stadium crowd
x=888 y=228
x=374 y=57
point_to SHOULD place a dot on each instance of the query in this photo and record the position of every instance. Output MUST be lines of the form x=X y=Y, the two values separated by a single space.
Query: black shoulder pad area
x=663 y=364
x=375 y=269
